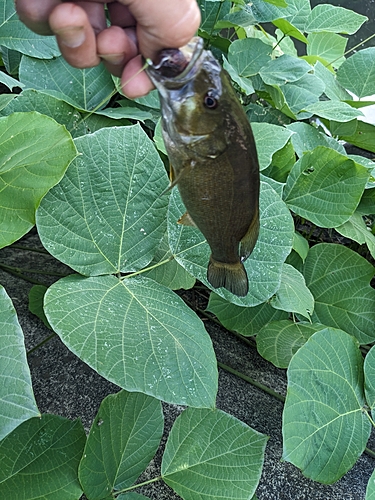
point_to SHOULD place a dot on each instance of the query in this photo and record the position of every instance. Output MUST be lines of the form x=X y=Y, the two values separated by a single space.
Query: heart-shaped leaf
x=326 y=17
x=34 y=154
x=245 y=320
x=357 y=73
x=325 y=187
x=137 y=334
x=278 y=341
x=293 y=295
x=123 y=439
x=40 y=459
x=339 y=280
x=210 y=455
x=15 y=35
x=85 y=89
x=107 y=214
x=325 y=429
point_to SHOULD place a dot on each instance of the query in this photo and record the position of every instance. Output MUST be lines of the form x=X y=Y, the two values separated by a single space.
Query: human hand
x=138 y=28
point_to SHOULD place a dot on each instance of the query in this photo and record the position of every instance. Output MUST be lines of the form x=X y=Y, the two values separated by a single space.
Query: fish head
x=193 y=99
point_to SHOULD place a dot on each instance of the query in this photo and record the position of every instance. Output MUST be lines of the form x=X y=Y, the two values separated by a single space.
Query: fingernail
x=71 y=37
x=115 y=59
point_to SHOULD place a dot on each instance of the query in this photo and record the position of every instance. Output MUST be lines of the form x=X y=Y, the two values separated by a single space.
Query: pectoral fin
x=186 y=220
x=249 y=240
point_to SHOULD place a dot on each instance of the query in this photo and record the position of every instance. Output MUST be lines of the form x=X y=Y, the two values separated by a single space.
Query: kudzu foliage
x=91 y=175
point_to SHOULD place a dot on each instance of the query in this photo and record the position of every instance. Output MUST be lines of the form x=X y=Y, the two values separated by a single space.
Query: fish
x=213 y=157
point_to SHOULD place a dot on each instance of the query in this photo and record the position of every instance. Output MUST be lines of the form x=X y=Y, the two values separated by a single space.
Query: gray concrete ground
x=66 y=386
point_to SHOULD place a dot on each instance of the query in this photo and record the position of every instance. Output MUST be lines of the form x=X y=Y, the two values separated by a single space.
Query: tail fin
x=233 y=277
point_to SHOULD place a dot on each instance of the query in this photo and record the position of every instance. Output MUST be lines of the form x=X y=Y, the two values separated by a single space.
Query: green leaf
x=16 y=393
x=211 y=13
x=364 y=136
x=282 y=162
x=34 y=154
x=328 y=46
x=326 y=17
x=343 y=128
x=248 y=56
x=265 y=114
x=298 y=13
x=289 y=30
x=284 y=69
x=264 y=12
x=60 y=111
x=169 y=274
x=357 y=73
x=356 y=229
x=130 y=112
x=333 y=110
x=151 y=100
x=278 y=341
x=339 y=280
x=123 y=439
x=263 y=266
x=293 y=295
x=11 y=60
x=369 y=370
x=210 y=455
x=107 y=214
x=137 y=334
x=85 y=89
x=367 y=203
x=293 y=97
x=269 y=139
x=40 y=459
x=36 y=297
x=278 y=3
x=245 y=320
x=306 y=138
x=325 y=429
x=325 y=187
x=244 y=83
x=15 y=35
x=9 y=81
x=333 y=90
x=300 y=245
x=370 y=490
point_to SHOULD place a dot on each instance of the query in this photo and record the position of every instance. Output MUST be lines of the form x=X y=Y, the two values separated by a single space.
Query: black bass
x=213 y=157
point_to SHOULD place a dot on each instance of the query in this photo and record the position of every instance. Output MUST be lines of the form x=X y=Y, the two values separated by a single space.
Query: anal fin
x=249 y=240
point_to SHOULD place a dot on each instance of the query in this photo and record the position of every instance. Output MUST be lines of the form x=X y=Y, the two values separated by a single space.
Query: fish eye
x=210 y=100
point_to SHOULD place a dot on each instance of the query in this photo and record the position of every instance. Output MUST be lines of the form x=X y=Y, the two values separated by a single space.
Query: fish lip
x=194 y=50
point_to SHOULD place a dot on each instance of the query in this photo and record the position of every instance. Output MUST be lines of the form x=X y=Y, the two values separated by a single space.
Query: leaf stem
x=14 y=272
x=253 y=382
x=31 y=271
x=134 y=486
x=30 y=249
x=148 y=268
x=47 y=339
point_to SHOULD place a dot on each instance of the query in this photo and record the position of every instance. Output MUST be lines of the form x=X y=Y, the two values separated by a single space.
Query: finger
x=35 y=14
x=134 y=80
x=161 y=24
x=75 y=35
x=116 y=47
x=120 y=15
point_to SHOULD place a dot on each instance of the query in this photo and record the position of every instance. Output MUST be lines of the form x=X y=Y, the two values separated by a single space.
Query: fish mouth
x=175 y=67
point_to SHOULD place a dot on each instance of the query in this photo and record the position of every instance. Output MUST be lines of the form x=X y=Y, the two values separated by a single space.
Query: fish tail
x=233 y=277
